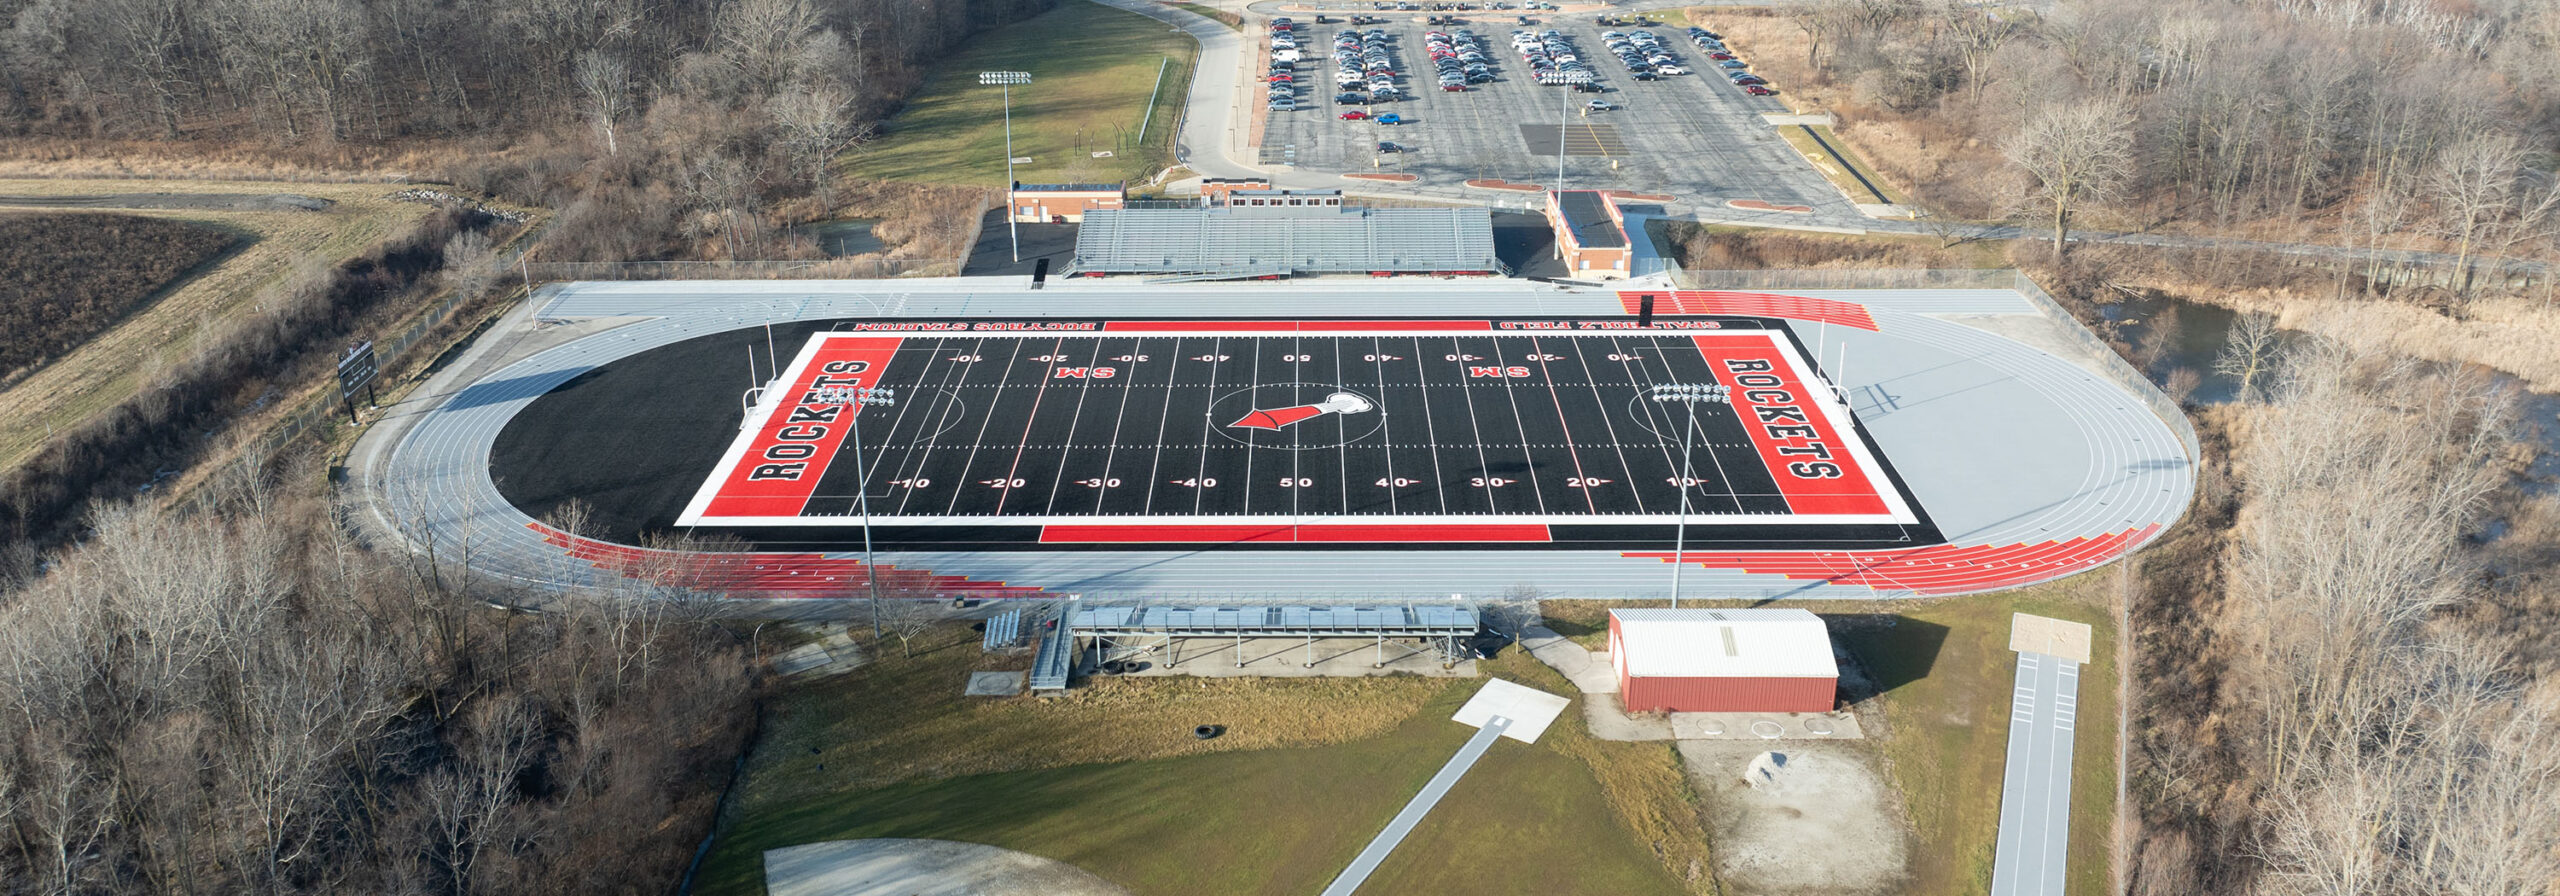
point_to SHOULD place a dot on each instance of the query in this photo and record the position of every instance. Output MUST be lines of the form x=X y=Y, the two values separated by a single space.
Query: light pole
x=855 y=399
x=1006 y=80
x=1691 y=395
x=1562 y=107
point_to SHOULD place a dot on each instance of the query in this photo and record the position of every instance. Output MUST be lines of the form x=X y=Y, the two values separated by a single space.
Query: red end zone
x=774 y=473
x=1803 y=449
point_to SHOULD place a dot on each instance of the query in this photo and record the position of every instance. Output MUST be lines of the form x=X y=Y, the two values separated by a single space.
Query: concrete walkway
x=891 y=867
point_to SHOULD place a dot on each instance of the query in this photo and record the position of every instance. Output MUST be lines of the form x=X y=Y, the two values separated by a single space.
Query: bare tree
x=2078 y=154
x=2248 y=353
x=815 y=121
x=2476 y=184
x=904 y=619
x=605 y=86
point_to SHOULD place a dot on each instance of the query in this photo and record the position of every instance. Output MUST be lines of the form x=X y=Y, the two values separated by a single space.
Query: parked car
x=1389 y=118
x=1355 y=115
x=1757 y=90
x=1734 y=64
x=1384 y=146
x=1599 y=106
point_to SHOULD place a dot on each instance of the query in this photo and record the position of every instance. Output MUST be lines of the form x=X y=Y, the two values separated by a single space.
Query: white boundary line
x=1898 y=511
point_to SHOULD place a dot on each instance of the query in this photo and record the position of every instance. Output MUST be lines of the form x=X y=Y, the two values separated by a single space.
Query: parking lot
x=1693 y=136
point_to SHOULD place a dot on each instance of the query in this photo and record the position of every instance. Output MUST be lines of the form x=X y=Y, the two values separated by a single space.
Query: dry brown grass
x=902 y=719
x=122 y=360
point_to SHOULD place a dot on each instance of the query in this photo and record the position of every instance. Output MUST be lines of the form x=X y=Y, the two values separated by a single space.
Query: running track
x=2034 y=466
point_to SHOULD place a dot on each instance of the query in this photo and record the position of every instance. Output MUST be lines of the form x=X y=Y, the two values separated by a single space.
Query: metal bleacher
x=1134 y=630
x=1055 y=661
x=1003 y=630
x=1195 y=243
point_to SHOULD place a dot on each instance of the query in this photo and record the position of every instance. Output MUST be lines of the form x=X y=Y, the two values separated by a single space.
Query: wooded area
x=65 y=277
x=233 y=697
x=656 y=130
x=2346 y=681
x=2407 y=124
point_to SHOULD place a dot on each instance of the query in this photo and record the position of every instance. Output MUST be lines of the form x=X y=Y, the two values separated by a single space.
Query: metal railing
x=812 y=269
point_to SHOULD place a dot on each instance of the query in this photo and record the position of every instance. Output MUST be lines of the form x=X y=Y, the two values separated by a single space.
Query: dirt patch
x=890 y=867
x=1824 y=822
x=1490 y=184
x=1398 y=178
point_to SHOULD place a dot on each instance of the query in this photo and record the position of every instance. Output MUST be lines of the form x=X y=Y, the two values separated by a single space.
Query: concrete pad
x=2057 y=638
x=801 y=659
x=996 y=684
x=890 y=867
x=1529 y=709
x=1766 y=726
x=1589 y=670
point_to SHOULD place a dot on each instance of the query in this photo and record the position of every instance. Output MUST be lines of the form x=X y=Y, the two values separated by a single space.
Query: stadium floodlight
x=1007 y=80
x=859 y=397
x=1692 y=395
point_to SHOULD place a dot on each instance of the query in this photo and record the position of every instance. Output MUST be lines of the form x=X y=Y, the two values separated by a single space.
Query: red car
x=1720 y=57
x=1283 y=78
x=1757 y=90
x=1355 y=115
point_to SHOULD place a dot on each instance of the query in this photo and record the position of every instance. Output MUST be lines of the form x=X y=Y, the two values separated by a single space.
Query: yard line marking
x=1164 y=426
x=950 y=381
x=1511 y=394
x=1484 y=463
x=1084 y=390
x=1430 y=428
x=1038 y=395
x=1625 y=469
x=1119 y=418
x=1208 y=427
x=959 y=483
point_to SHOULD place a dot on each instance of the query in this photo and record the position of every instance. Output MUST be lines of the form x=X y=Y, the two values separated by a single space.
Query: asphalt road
x=2035 y=798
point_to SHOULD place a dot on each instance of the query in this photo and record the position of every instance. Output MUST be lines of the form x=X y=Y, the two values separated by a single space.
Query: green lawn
x=1092 y=69
x=1109 y=779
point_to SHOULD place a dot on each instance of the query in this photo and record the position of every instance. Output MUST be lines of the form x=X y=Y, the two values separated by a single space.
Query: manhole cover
x=1818 y=725
x=1767 y=730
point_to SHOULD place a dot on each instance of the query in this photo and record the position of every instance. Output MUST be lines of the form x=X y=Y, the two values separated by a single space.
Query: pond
x=2201 y=331
x=847 y=237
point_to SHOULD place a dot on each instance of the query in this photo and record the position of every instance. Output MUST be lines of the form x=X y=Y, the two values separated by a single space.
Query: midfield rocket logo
x=1281 y=418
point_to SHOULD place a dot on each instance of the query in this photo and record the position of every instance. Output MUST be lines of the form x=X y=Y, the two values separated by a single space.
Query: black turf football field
x=1573 y=438
x=986 y=427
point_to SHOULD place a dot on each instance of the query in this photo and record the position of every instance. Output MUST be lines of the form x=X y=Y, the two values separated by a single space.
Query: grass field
x=1110 y=779
x=1831 y=165
x=118 y=362
x=1092 y=69
x=1946 y=711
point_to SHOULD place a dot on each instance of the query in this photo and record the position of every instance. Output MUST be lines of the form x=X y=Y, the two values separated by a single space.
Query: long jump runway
x=1259 y=440
x=1292 y=434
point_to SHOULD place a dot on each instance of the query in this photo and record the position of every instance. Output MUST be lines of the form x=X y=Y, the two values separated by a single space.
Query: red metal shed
x=1722 y=660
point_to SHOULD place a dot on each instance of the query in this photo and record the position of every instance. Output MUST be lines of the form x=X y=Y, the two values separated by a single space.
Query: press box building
x=1722 y=660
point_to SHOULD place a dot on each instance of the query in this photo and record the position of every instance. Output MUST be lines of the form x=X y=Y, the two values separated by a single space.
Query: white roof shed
x=1763 y=643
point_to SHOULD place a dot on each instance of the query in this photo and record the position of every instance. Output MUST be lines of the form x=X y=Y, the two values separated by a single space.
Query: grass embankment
x=1838 y=164
x=1948 y=672
x=114 y=365
x=1109 y=778
x=1092 y=69
x=1220 y=16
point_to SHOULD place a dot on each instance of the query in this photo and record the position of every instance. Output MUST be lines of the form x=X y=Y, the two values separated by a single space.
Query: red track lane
x=1751 y=304
x=1413 y=533
x=1778 y=418
x=1944 y=569
x=781 y=467
x=771 y=574
x=1290 y=326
